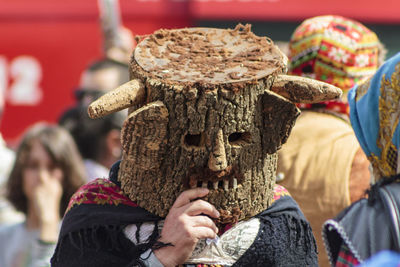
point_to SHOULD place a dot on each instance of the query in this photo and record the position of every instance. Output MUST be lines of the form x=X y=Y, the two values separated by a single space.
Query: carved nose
x=217 y=160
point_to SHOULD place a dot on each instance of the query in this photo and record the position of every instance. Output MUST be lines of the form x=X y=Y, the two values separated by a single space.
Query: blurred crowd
x=337 y=152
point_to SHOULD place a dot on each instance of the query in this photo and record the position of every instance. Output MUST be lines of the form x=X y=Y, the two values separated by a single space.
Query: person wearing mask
x=196 y=182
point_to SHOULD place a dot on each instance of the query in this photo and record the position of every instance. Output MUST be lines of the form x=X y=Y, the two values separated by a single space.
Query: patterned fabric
x=335 y=50
x=346 y=258
x=234 y=241
x=279 y=191
x=101 y=192
x=374 y=115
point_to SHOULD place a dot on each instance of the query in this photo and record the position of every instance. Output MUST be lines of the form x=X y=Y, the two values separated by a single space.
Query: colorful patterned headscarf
x=335 y=50
x=375 y=114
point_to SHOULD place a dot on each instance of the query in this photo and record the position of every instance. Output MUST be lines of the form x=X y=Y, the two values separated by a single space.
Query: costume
x=280 y=236
x=316 y=161
x=191 y=125
x=366 y=227
x=23 y=247
x=336 y=50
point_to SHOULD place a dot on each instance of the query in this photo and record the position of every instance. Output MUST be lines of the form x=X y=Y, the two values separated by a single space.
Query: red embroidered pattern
x=280 y=191
x=100 y=192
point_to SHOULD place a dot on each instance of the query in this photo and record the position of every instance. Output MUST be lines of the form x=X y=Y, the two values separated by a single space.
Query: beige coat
x=316 y=162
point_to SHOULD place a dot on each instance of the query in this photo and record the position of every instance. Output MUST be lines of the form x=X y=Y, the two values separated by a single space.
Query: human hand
x=186 y=223
x=47 y=198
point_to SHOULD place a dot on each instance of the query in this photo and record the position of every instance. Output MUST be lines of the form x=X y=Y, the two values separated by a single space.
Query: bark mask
x=207 y=108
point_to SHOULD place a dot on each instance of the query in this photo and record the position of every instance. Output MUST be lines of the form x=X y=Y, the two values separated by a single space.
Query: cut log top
x=208 y=55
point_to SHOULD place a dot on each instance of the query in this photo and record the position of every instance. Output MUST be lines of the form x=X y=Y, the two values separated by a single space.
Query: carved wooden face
x=223 y=142
x=210 y=117
x=221 y=139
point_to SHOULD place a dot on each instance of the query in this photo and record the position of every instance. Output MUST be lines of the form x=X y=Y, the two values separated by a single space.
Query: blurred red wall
x=46 y=44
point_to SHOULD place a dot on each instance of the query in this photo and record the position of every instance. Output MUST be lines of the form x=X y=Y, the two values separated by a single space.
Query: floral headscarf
x=335 y=50
x=375 y=114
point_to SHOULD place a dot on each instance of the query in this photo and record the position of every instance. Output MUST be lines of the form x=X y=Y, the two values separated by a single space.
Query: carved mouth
x=225 y=180
x=225 y=183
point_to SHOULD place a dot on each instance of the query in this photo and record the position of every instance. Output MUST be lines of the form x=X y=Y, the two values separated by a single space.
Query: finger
x=43 y=176
x=201 y=207
x=186 y=196
x=204 y=232
x=204 y=221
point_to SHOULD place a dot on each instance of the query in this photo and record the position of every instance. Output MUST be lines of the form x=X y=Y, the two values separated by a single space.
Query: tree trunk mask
x=207 y=108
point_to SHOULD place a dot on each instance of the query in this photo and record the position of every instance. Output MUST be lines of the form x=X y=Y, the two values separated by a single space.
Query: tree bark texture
x=195 y=129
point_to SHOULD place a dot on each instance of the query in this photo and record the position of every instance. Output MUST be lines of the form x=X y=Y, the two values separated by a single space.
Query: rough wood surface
x=208 y=55
x=144 y=136
x=304 y=90
x=126 y=95
x=221 y=129
x=208 y=119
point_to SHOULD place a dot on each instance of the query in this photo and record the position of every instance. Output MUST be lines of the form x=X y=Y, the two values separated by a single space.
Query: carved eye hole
x=194 y=140
x=239 y=138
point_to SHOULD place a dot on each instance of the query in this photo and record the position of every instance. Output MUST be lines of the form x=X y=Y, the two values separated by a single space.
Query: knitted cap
x=335 y=50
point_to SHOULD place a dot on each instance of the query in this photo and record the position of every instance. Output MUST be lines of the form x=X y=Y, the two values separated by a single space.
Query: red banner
x=382 y=11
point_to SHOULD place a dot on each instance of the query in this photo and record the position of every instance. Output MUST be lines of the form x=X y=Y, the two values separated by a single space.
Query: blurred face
x=39 y=168
x=95 y=83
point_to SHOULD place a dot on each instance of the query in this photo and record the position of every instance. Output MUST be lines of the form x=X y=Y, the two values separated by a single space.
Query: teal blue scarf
x=375 y=114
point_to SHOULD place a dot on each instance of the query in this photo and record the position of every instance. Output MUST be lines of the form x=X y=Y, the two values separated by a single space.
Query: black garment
x=285 y=238
x=92 y=235
x=365 y=226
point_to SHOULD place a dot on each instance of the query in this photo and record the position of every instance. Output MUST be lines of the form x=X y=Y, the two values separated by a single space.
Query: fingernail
x=218 y=213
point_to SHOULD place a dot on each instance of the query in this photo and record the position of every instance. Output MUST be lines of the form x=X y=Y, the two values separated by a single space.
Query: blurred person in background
x=118 y=41
x=7 y=156
x=98 y=140
x=322 y=164
x=120 y=49
x=100 y=77
x=372 y=224
x=47 y=171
